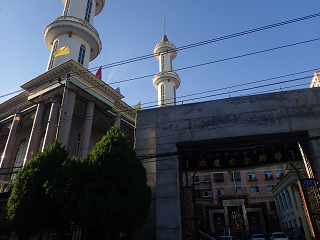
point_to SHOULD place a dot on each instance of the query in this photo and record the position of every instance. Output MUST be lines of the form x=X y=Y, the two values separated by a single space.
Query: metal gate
x=189 y=217
x=310 y=193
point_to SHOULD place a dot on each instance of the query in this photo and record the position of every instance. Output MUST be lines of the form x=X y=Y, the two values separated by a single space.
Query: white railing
x=159 y=74
x=165 y=43
x=77 y=20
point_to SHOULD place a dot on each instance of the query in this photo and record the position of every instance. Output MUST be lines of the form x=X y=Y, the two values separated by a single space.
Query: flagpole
x=70 y=52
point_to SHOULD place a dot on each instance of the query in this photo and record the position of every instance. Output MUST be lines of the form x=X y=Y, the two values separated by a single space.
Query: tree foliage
x=106 y=193
x=38 y=197
x=116 y=197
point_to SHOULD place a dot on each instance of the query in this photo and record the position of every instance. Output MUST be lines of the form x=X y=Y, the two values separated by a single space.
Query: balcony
x=65 y=25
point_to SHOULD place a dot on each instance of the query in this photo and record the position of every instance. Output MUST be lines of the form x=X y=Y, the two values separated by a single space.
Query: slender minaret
x=166 y=81
x=74 y=29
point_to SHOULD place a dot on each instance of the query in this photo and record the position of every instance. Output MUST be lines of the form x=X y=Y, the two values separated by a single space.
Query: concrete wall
x=159 y=130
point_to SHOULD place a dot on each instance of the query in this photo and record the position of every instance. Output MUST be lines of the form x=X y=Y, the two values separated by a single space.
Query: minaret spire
x=166 y=81
x=74 y=29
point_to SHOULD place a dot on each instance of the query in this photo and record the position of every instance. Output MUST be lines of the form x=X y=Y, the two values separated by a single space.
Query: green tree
x=116 y=197
x=39 y=195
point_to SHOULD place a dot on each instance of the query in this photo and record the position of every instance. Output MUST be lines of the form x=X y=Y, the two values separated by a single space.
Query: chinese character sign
x=206 y=159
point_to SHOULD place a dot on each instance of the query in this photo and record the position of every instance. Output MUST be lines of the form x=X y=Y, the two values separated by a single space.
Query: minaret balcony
x=66 y=24
x=165 y=47
x=166 y=76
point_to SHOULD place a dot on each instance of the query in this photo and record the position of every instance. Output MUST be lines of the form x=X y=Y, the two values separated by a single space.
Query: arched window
x=78 y=145
x=88 y=11
x=174 y=95
x=66 y=8
x=55 y=46
x=170 y=62
x=81 y=54
x=18 y=161
x=41 y=141
x=162 y=94
x=162 y=62
x=1 y=151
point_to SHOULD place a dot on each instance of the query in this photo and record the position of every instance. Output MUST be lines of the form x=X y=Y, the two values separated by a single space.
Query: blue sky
x=132 y=28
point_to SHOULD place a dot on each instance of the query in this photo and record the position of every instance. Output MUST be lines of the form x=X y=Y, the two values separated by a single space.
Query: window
x=267 y=175
x=206 y=178
x=237 y=190
x=255 y=190
x=88 y=11
x=207 y=193
x=66 y=8
x=1 y=151
x=18 y=161
x=280 y=173
x=288 y=196
x=52 y=58
x=162 y=94
x=41 y=142
x=196 y=179
x=269 y=188
x=174 y=95
x=218 y=177
x=162 y=62
x=294 y=196
x=170 y=62
x=235 y=176
x=252 y=176
x=81 y=54
x=220 y=191
x=198 y=194
x=78 y=145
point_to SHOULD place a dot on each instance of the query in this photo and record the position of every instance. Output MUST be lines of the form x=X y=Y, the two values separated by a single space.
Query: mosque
x=66 y=102
x=179 y=145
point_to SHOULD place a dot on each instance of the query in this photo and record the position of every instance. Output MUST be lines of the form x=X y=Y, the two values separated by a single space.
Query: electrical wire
x=194 y=45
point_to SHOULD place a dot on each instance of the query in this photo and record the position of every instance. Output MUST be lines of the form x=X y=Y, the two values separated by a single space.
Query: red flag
x=98 y=74
x=229 y=172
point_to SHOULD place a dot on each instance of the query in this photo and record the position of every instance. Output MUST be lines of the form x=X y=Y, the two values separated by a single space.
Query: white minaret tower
x=166 y=81
x=74 y=28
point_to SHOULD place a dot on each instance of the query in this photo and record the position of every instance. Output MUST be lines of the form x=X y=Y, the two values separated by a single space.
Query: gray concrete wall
x=159 y=130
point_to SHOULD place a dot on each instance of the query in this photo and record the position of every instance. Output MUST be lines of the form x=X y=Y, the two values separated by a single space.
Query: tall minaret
x=166 y=81
x=74 y=28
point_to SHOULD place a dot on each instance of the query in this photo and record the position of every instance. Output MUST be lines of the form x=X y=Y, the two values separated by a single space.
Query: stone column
x=86 y=130
x=118 y=120
x=305 y=225
x=52 y=123
x=66 y=115
x=10 y=148
x=189 y=179
x=35 y=135
x=313 y=152
x=168 y=214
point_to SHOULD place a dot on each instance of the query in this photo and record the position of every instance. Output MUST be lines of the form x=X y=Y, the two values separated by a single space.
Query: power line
x=254 y=30
x=216 y=127
x=207 y=63
x=195 y=45
x=95 y=115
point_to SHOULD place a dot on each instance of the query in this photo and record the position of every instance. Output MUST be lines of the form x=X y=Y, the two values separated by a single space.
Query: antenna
x=164 y=26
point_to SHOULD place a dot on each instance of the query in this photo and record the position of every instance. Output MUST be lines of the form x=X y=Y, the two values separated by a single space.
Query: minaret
x=74 y=28
x=166 y=81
